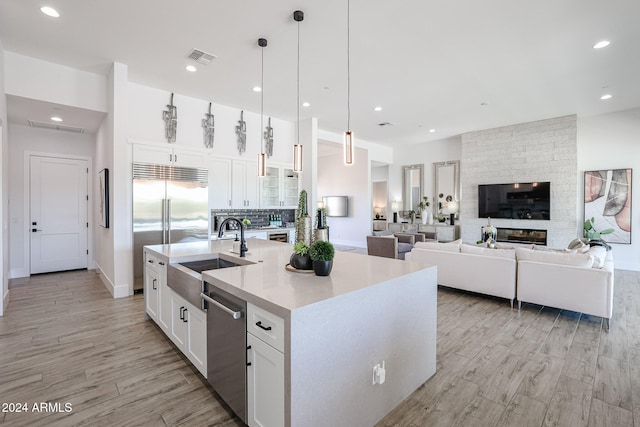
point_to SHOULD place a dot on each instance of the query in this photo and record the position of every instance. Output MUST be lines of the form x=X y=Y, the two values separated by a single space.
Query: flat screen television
x=530 y=200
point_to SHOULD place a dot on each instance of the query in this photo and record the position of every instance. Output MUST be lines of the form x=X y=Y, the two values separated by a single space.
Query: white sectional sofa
x=567 y=281
x=572 y=280
x=470 y=268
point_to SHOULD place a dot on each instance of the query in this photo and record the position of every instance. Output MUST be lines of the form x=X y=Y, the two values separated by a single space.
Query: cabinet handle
x=151 y=261
x=154 y=283
x=182 y=313
x=170 y=157
x=259 y=325
x=175 y=158
x=161 y=263
x=184 y=319
x=229 y=202
x=248 y=348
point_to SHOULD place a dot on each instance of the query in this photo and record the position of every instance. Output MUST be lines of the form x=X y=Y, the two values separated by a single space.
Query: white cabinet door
x=152 y=154
x=244 y=185
x=178 y=321
x=220 y=184
x=197 y=338
x=151 y=287
x=190 y=158
x=270 y=188
x=290 y=189
x=265 y=384
x=164 y=301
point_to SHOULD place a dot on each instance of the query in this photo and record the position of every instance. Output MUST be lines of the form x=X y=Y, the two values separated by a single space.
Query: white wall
x=103 y=247
x=612 y=141
x=37 y=79
x=145 y=123
x=23 y=140
x=4 y=189
x=337 y=179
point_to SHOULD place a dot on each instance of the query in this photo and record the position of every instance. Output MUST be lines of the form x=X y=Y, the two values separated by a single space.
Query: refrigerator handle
x=168 y=220
x=163 y=220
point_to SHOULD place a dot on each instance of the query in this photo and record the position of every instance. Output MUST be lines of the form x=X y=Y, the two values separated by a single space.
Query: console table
x=446 y=233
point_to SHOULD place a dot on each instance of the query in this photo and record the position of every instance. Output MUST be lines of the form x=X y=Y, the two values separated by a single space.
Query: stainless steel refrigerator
x=170 y=205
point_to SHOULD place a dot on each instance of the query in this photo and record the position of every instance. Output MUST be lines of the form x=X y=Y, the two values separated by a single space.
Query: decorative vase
x=430 y=220
x=300 y=262
x=322 y=268
x=489 y=231
x=425 y=217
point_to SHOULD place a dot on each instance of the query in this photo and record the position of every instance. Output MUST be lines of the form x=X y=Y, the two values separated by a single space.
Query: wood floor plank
x=495 y=366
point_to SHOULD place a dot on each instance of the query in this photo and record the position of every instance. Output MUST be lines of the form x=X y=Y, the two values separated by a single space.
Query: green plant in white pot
x=322 y=254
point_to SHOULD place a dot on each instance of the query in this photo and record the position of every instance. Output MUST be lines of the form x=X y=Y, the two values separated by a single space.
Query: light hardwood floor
x=64 y=339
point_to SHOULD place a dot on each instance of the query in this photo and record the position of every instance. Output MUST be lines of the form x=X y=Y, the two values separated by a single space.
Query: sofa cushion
x=599 y=254
x=383 y=233
x=466 y=248
x=548 y=249
x=550 y=257
x=580 y=245
x=435 y=246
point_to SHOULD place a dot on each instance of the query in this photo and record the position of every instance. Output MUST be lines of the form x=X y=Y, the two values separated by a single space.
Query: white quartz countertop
x=267 y=283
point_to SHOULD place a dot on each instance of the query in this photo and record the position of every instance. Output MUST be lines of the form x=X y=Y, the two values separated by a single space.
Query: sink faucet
x=243 y=243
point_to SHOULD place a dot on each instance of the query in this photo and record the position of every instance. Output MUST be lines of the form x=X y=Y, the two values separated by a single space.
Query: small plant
x=301 y=248
x=321 y=251
x=591 y=233
x=424 y=204
x=246 y=221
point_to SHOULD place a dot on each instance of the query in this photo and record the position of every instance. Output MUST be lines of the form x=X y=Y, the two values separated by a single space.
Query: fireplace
x=522 y=235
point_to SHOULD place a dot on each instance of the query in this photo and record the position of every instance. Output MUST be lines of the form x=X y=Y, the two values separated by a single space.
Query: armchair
x=390 y=245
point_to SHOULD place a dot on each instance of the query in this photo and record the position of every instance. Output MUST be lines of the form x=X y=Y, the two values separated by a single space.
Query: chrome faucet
x=243 y=243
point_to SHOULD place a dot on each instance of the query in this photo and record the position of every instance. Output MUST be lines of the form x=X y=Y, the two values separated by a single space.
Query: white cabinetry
x=151 y=293
x=446 y=233
x=265 y=368
x=244 y=185
x=155 y=290
x=172 y=156
x=189 y=331
x=220 y=183
x=279 y=188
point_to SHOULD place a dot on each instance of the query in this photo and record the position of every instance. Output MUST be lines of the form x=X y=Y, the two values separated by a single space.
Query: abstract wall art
x=607 y=199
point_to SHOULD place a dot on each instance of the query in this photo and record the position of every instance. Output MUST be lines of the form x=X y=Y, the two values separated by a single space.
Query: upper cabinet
x=171 y=156
x=244 y=184
x=279 y=188
x=220 y=183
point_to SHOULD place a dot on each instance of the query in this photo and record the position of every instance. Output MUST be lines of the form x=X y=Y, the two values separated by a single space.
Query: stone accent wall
x=542 y=151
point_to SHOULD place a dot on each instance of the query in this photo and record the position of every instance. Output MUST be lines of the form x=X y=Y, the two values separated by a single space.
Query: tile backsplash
x=258 y=217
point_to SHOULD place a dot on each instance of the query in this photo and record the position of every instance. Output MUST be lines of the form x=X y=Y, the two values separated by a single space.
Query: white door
x=59 y=203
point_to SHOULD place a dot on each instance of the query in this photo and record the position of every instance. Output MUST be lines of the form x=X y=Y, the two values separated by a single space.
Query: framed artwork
x=104 y=197
x=607 y=199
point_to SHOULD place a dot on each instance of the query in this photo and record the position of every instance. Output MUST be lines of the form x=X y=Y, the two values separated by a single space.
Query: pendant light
x=262 y=167
x=298 y=16
x=348 y=139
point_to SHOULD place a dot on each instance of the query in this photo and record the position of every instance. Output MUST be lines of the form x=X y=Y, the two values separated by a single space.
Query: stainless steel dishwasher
x=227 y=347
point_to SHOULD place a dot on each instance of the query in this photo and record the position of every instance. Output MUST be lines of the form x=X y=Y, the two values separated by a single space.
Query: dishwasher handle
x=235 y=314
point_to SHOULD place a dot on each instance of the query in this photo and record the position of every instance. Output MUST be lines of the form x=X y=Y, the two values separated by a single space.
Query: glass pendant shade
x=348 y=141
x=262 y=164
x=297 y=158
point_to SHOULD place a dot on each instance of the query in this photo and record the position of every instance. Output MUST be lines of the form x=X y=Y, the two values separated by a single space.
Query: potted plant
x=590 y=231
x=322 y=253
x=300 y=258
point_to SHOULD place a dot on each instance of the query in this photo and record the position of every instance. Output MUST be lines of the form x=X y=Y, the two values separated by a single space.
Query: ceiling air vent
x=53 y=126
x=385 y=124
x=200 y=56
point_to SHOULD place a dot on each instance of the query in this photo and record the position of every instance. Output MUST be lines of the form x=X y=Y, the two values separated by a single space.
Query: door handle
x=184 y=314
x=168 y=220
x=235 y=314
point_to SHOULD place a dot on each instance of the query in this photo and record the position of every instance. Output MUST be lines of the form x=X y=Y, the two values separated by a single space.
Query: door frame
x=91 y=208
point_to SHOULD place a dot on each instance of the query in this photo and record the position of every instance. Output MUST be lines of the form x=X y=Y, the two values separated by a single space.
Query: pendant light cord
x=348 y=65
x=298 y=86
x=262 y=100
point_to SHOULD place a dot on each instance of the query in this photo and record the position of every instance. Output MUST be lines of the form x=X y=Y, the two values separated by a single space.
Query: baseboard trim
x=17 y=273
x=115 y=291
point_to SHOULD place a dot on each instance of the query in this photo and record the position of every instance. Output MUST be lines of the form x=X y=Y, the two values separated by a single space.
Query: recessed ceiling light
x=601 y=44
x=190 y=68
x=305 y=104
x=432 y=130
x=49 y=11
x=56 y=119
x=604 y=97
x=257 y=89
x=377 y=108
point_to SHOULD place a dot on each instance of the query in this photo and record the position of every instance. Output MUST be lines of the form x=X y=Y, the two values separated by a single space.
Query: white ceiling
x=428 y=64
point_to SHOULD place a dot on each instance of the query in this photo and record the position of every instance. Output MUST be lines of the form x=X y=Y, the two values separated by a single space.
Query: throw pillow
x=599 y=254
x=434 y=246
x=550 y=257
x=478 y=250
x=383 y=233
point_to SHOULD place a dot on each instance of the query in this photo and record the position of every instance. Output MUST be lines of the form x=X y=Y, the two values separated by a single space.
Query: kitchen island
x=325 y=334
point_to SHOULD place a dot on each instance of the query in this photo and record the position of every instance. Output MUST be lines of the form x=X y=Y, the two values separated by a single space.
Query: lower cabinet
x=189 y=331
x=265 y=384
x=151 y=292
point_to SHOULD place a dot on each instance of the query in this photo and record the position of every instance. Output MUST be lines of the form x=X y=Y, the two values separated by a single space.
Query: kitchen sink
x=185 y=278
x=208 y=264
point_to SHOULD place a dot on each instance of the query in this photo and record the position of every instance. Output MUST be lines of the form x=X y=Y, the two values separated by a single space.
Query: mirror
x=412 y=179
x=446 y=179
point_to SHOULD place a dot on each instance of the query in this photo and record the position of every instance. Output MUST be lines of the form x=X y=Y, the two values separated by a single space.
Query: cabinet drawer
x=266 y=326
x=153 y=262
